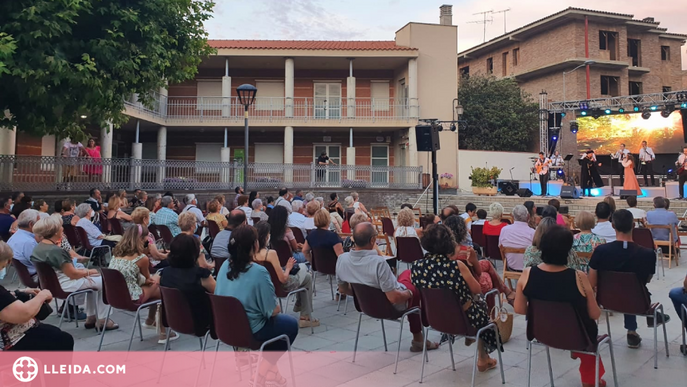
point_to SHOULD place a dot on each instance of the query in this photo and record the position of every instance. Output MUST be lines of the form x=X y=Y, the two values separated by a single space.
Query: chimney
x=649 y=20
x=446 y=15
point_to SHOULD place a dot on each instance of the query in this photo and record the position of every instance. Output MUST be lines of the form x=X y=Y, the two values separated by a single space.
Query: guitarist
x=682 y=171
x=542 y=166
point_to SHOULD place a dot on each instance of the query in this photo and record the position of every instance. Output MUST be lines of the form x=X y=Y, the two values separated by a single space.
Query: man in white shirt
x=620 y=156
x=646 y=158
x=517 y=235
x=283 y=200
x=682 y=163
x=191 y=206
x=296 y=218
x=542 y=166
x=637 y=213
x=603 y=227
x=244 y=206
x=470 y=210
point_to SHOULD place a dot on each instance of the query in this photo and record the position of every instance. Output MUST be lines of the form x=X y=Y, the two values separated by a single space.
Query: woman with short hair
x=532 y=255
x=42 y=207
x=214 y=215
x=495 y=225
x=95 y=237
x=67 y=212
x=157 y=258
x=585 y=241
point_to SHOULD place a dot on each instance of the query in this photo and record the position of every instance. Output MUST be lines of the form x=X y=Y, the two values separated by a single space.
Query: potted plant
x=446 y=180
x=484 y=180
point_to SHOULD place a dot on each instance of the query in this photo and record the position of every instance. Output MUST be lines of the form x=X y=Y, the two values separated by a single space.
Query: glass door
x=328 y=175
x=328 y=100
x=380 y=165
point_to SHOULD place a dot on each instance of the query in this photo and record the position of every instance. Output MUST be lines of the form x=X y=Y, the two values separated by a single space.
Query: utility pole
x=504 y=17
x=484 y=21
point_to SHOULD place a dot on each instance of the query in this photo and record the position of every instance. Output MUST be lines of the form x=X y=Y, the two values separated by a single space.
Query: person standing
x=589 y=174
x=94 y=168
x=542 y=166
x=323 y=161
x=646 y=158
x=682 y=172
x=620 y=155
x=557 y=161
x=631 y=182
x=71 y=151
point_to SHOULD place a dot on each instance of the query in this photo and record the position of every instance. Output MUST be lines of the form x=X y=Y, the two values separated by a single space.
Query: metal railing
x=266 y=109
x=34 y=173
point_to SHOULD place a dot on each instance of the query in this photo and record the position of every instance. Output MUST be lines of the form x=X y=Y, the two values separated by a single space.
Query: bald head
x=236 y=218
x=364 y=236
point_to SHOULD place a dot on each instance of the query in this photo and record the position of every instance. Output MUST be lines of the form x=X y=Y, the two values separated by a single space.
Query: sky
x=380 y=19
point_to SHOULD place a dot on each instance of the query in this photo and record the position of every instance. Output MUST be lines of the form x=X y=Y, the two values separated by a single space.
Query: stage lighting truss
x=662 y=102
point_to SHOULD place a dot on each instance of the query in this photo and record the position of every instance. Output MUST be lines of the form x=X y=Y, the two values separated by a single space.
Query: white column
x=161 y=153
x=163 y=101
x=289 y=86
x=350 y=91
x=350 y=156
x=412 y=148
x=106 y=152
x=226 y=90
x=288 y=154
x=412 y=88
x=136 y=156
x=224 y=157
x=8 y=142
x=59 y=145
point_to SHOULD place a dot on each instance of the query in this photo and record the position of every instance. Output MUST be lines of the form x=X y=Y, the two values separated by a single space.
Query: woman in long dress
x=631 y=182
x=95 y=167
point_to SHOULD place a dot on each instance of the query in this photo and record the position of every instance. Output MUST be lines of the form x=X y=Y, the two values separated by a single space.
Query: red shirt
x=490 y=229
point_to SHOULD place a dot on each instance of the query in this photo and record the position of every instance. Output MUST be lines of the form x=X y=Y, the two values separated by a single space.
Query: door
x=380 y=165
x=329 y=175
x=402 y=98
x=328 y=100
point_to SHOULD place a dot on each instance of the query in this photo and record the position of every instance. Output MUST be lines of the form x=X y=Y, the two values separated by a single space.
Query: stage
x=670 y=190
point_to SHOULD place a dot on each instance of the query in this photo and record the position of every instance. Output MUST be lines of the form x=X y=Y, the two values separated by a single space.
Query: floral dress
x=533 y=258
x=131 y=274
x=436 y=271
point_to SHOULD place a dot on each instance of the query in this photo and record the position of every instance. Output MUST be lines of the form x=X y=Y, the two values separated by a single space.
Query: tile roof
x=361 y=45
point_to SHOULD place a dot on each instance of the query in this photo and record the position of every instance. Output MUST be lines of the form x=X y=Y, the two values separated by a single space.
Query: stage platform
x=670 y=190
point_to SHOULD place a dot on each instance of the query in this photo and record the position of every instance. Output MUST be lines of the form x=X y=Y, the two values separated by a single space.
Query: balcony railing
x=34 y=173
x=265 y=109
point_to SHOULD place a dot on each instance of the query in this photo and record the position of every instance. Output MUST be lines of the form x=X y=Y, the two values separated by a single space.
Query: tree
x=62 y=60
x=499 y=115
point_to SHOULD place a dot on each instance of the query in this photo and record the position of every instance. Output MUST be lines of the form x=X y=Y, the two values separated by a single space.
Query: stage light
x=654 y=108
x=574 y=127
x=670 y=171
x=684 y=105
x=562 y=115
x=596 y=113
x=595 y=192
x=555 y=138
x=667 y=111
x=636 y=108
x=560 y=172
x=454 y=127
x=646 y=114
x=607 y=111
x=583 y=113
x=621 y=110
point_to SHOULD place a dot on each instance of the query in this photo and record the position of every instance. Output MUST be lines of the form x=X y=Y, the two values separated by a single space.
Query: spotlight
x=454 y=127
x=654 y=108
x=83 y=116
x=636 y=108
x=665 y=113
x=560 y=172
x=583 y=113
x=584 y=105
x=684 y=105
x=555 y=138
x=562 y=115
x=621 y=110
x=646 y=114
x=596 y=113
x=607 y=111
x=574 y=127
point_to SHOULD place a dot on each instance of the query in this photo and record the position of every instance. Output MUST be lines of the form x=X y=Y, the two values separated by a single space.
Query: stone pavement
x=333 y=343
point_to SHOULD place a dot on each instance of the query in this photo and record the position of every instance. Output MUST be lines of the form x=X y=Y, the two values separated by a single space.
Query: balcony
x=221 y=111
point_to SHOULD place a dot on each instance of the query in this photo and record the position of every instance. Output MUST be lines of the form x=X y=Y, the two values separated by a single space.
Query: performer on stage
x=682 y=172
x=646 y=158
x=542 y=167
x=620 y=156
x=631 y=182
x=589 y=174
x=557 y=161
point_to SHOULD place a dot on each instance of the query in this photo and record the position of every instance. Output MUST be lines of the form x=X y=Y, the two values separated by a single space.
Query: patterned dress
x=131 y=273
x=436 y=271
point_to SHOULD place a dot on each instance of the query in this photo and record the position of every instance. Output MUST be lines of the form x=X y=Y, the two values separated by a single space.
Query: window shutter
x=379 y=90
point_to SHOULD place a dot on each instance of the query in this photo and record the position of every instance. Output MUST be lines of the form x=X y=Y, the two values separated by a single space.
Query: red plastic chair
x=491 y=248
x=388 y=227
x=116 y=295
x=622 y=293
x=48 y=280
x=279 y=288
x=298 y=234
x=72 y=236
x=477 y=235
x=283 y=251
x=408 y=249
x=165 y=234
x=324 y=262
x=90 y=250
x=558 y=325
x=443 y=312
x=24 y=276
x=116 y=226
x=373 y=302
x=213 y=228
x=105 y=224
x=643 y=237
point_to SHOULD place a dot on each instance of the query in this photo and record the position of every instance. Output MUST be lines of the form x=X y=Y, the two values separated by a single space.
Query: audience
x=495 y=225
x=451 y=210
x=299 y=195
x=549 y=211
x=191 y=205
x=6 y=219
x=481 y=218
x=23 y=241
x=470 y=210
x=259 y=210
x=95 y=236
x=166 y=216
x=114 y=210
x=623 y=255
x=251 y=284
x=222 y=205
x=405 y=221
x=662 y=217
x=334 y=205
x=678 y=296
x=279 y=231
x=153 y=205
x=364 y=266
x=270 y=202
x=283 y=200
x=533 y=252
x=20 y=206
x=604 y=228
x=239 y=192
x=243 y=205
x=188 y=223
x=638 y=213
x=559 y=218
x=123 y=201
x=518 y=235
x=296 y=217
x=585 y=241
x=251 y=197
x=349 y=243
x=42 y=207
x=68 y=216
x=214 y=215
x=322 y=237
x=433 y=272
x=357 y=205
x=157 y=258
x=140 y=198
x=611 y=203
x=310 y=210
x=552 y=280
x=220 y=245
x=429 y=219
x=532 y=210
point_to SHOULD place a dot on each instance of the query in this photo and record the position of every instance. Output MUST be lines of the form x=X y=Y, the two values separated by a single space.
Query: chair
x=48 y=280
x=256 y=220
x=622 y=293
x=72 y=236
x=24 y=276
x=509 y=274
x=116 y=295
x=218 y=264
x=165 y=234
x=506 y=221
x=105 y=224
x=89 y=249
x=388 y=227
x=283 y=251
x=585 y=257
x=298 y=234
x=644 y=238
x=575 y=231
x=385 y=240
x=153 y=230
x=478 y=236
x=279 y=288
x=557 y=325
x=231 y=327
x=213 y=228
x=443 y=312
x=673 y=250
x=116 y=226
x=408 y=249
x=683 y=313
x=492 y=249
x=373 y=303
x=324 y=262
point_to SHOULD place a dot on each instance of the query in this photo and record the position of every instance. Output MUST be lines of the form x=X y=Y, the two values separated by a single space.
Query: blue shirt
x=169 y=218
x=6 y=221
x=254 y=289
x=22 y=244
x=661 y=216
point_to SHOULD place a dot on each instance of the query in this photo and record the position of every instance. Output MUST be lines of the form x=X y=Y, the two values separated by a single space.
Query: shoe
x=683 y=349
x=662 y=319
x=633 y=340
x=98 y=327
x=313 y=322
x=163 y=337
x=602 y=383
x=149 y=326
x=445 y=337
x=416 y=346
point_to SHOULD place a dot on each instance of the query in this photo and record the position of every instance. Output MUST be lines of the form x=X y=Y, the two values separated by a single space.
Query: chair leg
x=665 y=335
x=338 y=303
x=615 y=374
x=314 y=281
x=608 y=325
x=102 y=335
x=398 y=351
x=474 y=363
x=655 y=339
x=164 y=355
x=450 y=350
x=281 y=306
x=357 y=335
x=331 y=286
x=386 y=349
x=596 y=368
x=76 y=310
x=548 y=361
x=498 y=353
x=424 y=353
x=683 y=311
x=346 y=305
x=529 y=364
x=137 y=321
x=65 y=306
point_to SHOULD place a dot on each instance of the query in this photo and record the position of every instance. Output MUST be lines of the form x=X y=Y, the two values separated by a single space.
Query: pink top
x=559 y=220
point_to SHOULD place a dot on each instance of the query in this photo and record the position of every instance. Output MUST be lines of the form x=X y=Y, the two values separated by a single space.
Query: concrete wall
x=505 y=160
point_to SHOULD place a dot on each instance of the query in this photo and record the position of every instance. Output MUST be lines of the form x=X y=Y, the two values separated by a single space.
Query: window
x=465 y=72
x=270 y=95
x=270 y=154
x=665 y=52
x=609 y=86
x=209 y=94
x=209 y=152
x=379 y=90
x=608 y=41
x=504 y=66
x=667 y=89
x=490 y=65
x=380 y=158
x=635 y=88
x=516 y=56
x=634 y=51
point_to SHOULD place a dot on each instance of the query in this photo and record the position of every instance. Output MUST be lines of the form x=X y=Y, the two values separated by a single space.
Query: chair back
x=443 y=312
x=477 y=235
x=385 y=240
x=218 y=264
x=165 y=234
x=230 y=322
x=622 y=292
x=24 y=276
x=324 y=260
x=283 y=250
x=116 y=226
x=72 y=236
x=491 y=246
x=83 y=237
x=153 y=230
x=388 y=227
x=115 y=291
x=575 y=231
x=557 y=325
x=298 y=234
x=278 y=286
x=503 y=250
x=256 y=219
x=408 y=249
x=268 y=210
x=643 y=237
x=48 y=280
x=177 y=311
x=213 y=228
x=373 y=302
x=506 y=221
x=104 y=224
x=668 y=228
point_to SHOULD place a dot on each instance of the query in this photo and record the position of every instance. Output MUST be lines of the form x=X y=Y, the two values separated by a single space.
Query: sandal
x=271 y=379
x=313 y=322
x=491 y=364
x=416 y=346
x=510 y=300
x=108 y=327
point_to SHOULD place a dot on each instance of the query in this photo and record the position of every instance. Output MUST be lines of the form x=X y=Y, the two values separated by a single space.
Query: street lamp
x=246 y=94
x=586 y=63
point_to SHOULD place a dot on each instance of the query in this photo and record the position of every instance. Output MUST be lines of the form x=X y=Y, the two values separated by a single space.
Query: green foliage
x=61 y=59
x=500 y=116
x=484 y=177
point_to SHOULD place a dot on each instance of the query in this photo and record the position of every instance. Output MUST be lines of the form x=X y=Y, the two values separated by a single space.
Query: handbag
x=45 y=310
x=504 y=321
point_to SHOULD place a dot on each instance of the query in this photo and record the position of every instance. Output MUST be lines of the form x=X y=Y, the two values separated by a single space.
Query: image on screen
x=605 y=134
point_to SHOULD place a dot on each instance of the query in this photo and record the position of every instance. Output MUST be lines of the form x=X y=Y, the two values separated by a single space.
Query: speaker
x=427 y=138
x=570 y=192
x=683 y=113
x=509 y=187
x=524 y=192
x=625 y=193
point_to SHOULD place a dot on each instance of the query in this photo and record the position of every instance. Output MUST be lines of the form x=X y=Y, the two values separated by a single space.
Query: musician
x=557 y=161
x=682 y=171
x=589 y=174
x=620 y=156
x=542 y=166
x=646 y=158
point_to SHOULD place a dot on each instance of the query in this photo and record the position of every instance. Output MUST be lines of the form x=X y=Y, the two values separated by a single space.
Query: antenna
x=504 y=17
x=484 y=21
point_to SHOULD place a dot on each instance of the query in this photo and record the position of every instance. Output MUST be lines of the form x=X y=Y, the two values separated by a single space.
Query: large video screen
x=605 y=134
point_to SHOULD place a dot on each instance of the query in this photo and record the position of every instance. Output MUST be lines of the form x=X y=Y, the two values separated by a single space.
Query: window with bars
x=490 y=65
x=665 y=52
x=610 y=86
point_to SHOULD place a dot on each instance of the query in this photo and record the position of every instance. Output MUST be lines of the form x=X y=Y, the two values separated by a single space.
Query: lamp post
x=246 y=94
x=586 y=63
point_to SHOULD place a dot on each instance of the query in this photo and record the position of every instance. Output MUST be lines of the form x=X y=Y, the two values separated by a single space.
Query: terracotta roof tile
x=362 y=45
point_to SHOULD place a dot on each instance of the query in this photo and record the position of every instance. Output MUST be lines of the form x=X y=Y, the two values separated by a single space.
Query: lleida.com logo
x=25 y=369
